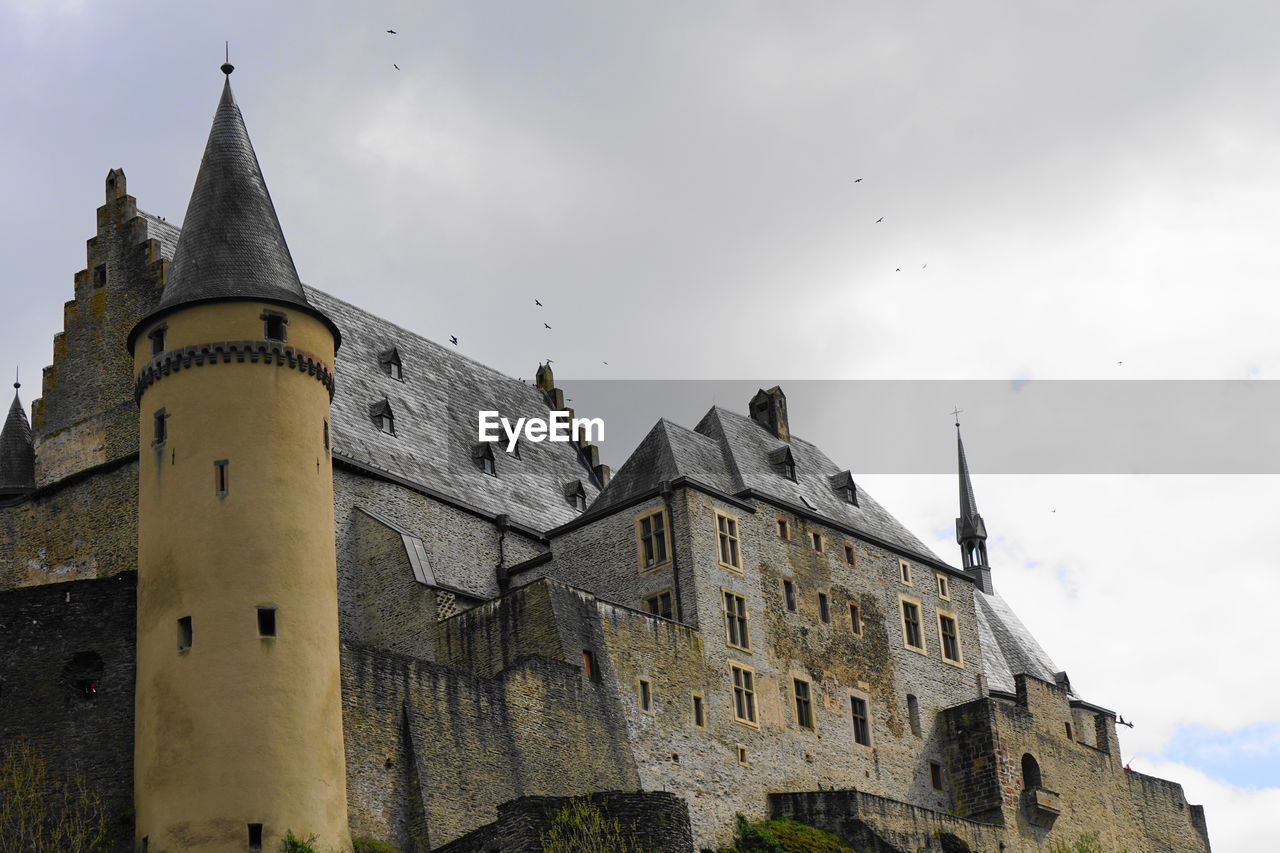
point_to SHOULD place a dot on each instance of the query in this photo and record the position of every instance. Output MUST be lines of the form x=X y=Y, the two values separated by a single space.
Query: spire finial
x=16 y=383
x=956 y=413
x=227 y=67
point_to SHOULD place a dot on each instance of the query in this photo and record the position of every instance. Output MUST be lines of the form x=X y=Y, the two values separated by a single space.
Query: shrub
x=294 y=844
x=1087 y=843
x=39 y=816
x=580 y=827
x=373 y=845
x=783 y=835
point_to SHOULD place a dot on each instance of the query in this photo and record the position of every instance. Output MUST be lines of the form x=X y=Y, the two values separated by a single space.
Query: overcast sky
x=1068 y=191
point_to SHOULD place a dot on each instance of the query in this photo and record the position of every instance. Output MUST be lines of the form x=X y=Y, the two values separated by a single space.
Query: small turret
x=17 y=454
x=769 y=409
x=971 y=531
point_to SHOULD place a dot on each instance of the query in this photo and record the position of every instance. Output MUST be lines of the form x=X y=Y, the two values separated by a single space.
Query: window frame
x=734 y=538
x=824 y=607
x=944 y=587
x=903 y=602
x=904 y=572
x=664 y=519
x=221 y=478
x=816 y=541
x=855 y=617
x=657 y=598
x=644 y=696
x=784 y=528
x=268 y=317
x=698 y=710
x=749 y=692
x=804 y=704
x=856 y=696
x=741 y=618
x=790 y=595
x=936 y=778
x=850 y=554
x=958 y=660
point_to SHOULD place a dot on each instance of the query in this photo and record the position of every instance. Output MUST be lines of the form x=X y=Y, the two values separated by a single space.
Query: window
x=744 y=694
x=273 y=325
x=220 y=477
x=824 y=608
x=160 y=428
x=157 y=337
x=804 y=704
x=944 y=590
x=326 y=435
x=395 y=371
x=382 y=416
x=651 y=540
x=816 y=539
x=727 y=531
x=861 y=721
x=784 y=528
x=741 y=752
x=513 y=448
x=100 y=275
x=855 y=617
x=184 y=633
x=913 y=714
x=660 y=604
x=849 y=556
x=1070 y=734
x=1031 y=772
x=646 y=696
x=850 y=494
x=266 y=621
x=580 y=502
x=904 y=568
x=699 y=712
x=482 y=453
x=949 y=638
x=589 y=665
x=735 y=620
x=789 y=594
x=935 y=775
x=255 y=837
x=911 y=634
x=783 y=462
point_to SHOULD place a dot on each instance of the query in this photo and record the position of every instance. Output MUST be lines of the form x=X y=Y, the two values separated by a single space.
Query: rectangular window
x=816 y=539
x=741 y=752
x=944 y=590
x=220 y=477
x=848 y=554
x=326 y=435
x=1070 y=734
x=735 y=621
x=789 y=594
x=804 y=705
x=100 y=275
x=905 y=569
x=395 y=370
x=266 y=621
x=255 y=837
x=589 y=665
x=699 y=712
x=913 y=714
x=727 y=530
x=274 y=324
x=784 y=528
x=660 y=604
x=744 y=694
x=861 y=721
x=935 y=775
x=184 y=633
x=157 y=337
x=949 y=638
x=824 y=608
x=646 y=696
x=651 y=540
x=160 y=427
x=855 y=617
x=911 y=635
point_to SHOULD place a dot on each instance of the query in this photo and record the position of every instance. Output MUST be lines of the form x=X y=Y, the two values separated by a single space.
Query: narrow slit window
x=326 y=435
x=789 y=594
x=816 y=539
x=784 y=529
x=184 y=633
x=589 y=668
x=160 y=427
x=646 y=696
x=266 y=621
x=935 y=775
x=824 y=608
x=742 y=754
x=255 y=838
x=100 y=275
x=220 y=477
x=904 y=569
x=699 y=712
x=913 y=714
x=855 y=617
x=849 y=555
x=944 y=590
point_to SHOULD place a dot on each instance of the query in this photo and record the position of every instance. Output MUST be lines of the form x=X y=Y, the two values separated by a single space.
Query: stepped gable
x=1008 y=648
x=746 y=446
x=436 y=409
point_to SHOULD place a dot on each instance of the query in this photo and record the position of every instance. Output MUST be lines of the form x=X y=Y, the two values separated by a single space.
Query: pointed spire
x=231 y=244
x=971 y=531
x=17 y=452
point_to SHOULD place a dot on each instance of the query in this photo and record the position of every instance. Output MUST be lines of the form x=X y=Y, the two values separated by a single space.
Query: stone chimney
x=769 y=409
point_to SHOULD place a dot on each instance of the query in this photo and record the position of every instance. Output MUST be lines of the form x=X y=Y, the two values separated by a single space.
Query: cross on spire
x=956 y=413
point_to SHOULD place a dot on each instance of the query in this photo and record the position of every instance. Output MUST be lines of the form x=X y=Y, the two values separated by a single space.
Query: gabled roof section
x=17 y=453
x=668 y=452
x=748 y=449
x=1008 y=649
x=231 y=244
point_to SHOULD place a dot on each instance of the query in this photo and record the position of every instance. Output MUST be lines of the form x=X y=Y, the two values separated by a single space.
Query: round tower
x=238 y=723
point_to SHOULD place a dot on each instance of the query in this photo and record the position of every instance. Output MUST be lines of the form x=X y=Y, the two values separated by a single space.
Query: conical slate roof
x=17 y=453
x=231 y=244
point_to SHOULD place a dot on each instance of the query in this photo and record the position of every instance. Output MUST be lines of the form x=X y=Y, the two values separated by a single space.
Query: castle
x=261 y=577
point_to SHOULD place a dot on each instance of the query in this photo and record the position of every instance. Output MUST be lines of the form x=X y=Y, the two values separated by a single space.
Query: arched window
x=1030 y=772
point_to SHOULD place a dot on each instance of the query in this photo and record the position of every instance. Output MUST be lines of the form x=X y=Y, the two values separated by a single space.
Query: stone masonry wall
x=67 y=682
x=883 y=826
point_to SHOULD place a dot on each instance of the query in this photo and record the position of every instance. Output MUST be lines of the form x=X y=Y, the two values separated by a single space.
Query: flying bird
x=899 y=269
x=604 y=362
x=857 y=180
x=453 y=339
x=881 y=219
x=546 y=325
x=396 y=67
x=536 y=302
x=924 y=266
x=393 y=32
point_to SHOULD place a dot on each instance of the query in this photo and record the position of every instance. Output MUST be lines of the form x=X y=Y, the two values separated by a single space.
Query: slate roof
x=1008 y=648
x=17 y=458
x=231 y=243
x=436 y=407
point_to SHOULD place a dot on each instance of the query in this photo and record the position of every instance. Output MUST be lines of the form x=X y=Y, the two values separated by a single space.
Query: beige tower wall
x=238 y=729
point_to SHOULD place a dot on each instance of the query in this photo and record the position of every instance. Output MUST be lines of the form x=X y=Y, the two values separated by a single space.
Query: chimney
x=769 y=409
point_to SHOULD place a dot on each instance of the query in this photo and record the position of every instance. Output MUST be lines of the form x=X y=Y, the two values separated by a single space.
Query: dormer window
x=576 y=495
x=783 y=462
x=274 y=324
x=482 y=453
x=382 y=417
x=157 y=336
x=845 y=488
x=391 y=365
